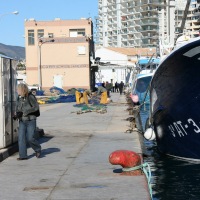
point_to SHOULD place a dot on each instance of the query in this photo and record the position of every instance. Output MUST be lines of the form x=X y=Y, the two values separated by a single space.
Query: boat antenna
x=150 y=61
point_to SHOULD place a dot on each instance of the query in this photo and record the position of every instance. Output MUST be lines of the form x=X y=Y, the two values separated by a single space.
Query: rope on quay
x=91 y=108
x=147 y=171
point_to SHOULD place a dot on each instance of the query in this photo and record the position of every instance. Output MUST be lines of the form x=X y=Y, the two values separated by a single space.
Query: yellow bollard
x=81 y=98
x=85 y=97
x=104 y=97
x=78 y=96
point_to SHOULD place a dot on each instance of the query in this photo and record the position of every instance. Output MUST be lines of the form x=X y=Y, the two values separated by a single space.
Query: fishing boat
x=145 y=69
x=175 y=102
x=147 y=65
x=141 y=100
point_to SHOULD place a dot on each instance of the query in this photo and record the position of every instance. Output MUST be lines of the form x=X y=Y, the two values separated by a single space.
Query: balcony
x=124 y=44
x=123 y=18
x=149 y=16
x=131 y=38
x=130 y=5
x=131 y=43
x=149 y=30
x=124 y=31
x=149 y=22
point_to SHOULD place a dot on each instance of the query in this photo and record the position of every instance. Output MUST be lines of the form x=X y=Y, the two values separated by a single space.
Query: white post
x=39 y=66
x=172 y=22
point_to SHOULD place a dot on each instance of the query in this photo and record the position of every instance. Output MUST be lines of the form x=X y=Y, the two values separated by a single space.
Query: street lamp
x=40 y=43
x=15 y=13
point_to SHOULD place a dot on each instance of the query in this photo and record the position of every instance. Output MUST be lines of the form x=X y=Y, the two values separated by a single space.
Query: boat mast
x=167 y=35
x=171 y=21
x=182 y=26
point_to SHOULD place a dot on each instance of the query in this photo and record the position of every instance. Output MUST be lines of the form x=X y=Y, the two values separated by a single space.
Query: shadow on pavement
x=49 y=151
x=117 y=171
x=45 y=152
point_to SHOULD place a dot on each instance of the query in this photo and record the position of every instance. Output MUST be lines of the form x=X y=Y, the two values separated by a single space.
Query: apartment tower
x=143 y=23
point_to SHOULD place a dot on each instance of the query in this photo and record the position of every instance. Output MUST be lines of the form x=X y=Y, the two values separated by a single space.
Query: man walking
x=121 y=87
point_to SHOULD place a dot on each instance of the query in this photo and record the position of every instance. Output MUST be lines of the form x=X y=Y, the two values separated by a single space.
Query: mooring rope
x=147 y=171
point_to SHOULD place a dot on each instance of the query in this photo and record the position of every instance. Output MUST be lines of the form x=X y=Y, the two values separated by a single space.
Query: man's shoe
x=22 y=158
x=37 y=154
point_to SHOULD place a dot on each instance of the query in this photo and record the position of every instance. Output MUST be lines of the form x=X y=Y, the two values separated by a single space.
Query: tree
x=21 y=66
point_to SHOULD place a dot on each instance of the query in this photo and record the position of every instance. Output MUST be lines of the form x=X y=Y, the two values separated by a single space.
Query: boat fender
x=149 y=134
x=135 y=98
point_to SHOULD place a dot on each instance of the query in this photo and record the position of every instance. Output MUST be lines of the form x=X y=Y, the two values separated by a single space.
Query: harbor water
x=172 y=178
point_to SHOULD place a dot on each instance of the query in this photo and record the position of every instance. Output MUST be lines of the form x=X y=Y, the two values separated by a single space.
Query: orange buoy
x=125 y=158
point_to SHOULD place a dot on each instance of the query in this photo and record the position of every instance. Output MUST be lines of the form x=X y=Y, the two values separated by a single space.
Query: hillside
x=12 y=51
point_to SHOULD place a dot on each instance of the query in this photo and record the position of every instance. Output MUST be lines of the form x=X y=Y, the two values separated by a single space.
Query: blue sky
x=12 y=26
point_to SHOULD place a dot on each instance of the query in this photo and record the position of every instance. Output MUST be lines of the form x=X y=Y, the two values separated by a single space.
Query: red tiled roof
x=133 y=51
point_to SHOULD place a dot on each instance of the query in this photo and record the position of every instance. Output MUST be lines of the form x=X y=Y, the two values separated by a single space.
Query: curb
x=5 y=153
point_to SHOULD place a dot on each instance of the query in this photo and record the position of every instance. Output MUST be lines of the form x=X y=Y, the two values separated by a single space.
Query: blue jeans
x=26 y=136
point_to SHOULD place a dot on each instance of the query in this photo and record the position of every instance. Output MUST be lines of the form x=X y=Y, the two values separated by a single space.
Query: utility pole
x=40 y=43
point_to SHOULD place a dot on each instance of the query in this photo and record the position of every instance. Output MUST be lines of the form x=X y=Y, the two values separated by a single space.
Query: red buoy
x=125 y=158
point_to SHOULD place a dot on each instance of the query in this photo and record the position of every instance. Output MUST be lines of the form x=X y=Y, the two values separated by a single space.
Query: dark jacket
x=27 y=105
x=101 y=90
x=109 y=86
x=121 y=85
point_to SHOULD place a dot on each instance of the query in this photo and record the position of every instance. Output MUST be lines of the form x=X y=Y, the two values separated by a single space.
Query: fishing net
x=99 y=108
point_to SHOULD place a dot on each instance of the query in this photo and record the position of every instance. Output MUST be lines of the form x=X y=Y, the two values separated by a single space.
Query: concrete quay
x=74 y=164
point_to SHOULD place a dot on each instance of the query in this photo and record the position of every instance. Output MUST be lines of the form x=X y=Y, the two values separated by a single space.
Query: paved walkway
x=74 y=163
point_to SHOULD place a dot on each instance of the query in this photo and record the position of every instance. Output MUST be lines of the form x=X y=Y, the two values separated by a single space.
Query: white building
x=21 y=78
x=117 y=64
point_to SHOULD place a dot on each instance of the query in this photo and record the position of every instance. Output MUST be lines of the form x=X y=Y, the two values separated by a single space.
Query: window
x=50 y=35
x=142 y=84
x=40 y=33
x=76 y=32
x=31 y=37
x=81 y=32
x=81 y=50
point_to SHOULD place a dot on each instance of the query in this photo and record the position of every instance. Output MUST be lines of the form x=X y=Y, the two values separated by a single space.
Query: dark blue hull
x=175 y=102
